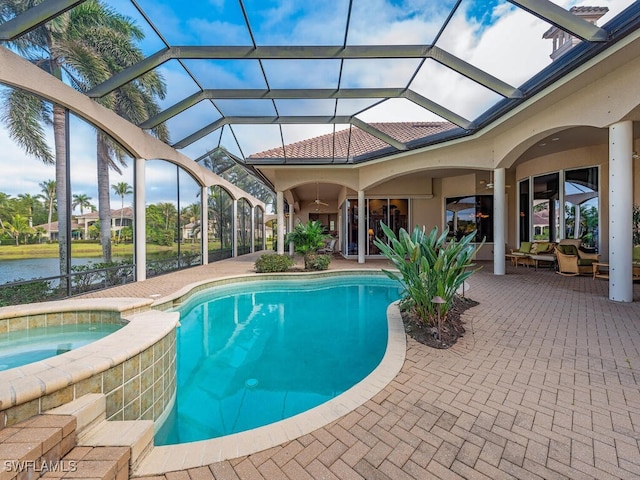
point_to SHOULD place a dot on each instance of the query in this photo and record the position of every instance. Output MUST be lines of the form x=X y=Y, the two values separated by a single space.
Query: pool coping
x=168 y=458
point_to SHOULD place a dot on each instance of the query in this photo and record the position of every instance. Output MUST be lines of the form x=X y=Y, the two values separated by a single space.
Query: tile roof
x=354 y=142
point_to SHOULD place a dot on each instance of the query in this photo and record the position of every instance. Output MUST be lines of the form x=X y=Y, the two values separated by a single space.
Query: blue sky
x=490 y=34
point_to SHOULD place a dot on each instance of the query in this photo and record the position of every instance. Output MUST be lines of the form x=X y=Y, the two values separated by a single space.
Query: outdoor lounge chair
x=572 y=260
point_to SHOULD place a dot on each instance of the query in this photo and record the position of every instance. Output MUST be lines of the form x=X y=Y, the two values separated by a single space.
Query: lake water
x=29 y=268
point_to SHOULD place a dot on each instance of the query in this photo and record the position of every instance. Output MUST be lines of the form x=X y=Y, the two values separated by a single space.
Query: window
x=474 y=213
x=540 y=213
x=394 y=212
x=581 y=205
x=524 y=212
x=546 y=207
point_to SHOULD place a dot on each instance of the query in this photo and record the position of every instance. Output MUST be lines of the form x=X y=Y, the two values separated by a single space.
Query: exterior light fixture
x=439 y=301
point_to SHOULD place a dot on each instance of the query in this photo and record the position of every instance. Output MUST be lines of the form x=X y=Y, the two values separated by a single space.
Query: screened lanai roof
x=249 y=76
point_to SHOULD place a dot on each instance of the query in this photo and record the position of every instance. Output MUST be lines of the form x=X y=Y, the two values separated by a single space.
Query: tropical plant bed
x=452 y=327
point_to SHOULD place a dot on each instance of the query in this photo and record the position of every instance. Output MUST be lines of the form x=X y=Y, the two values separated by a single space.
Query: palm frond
x=23 y=115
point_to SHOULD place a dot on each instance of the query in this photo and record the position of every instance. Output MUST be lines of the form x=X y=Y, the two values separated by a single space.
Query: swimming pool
x=254 y=353
x=31 y=345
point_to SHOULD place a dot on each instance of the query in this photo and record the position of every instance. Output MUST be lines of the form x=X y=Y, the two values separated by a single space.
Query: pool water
x=258 y=352
x=32 y=345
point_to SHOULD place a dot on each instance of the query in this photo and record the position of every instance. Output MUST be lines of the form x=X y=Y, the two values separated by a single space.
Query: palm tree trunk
x=49 y=217
x=104 y=201
x=121 y=216
x=59 y=138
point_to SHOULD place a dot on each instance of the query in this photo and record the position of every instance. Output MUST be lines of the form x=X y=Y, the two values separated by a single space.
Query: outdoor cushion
x=585 y=261
x=525 y=247
x=567 y=249
x=544 y=247
x=587 y=255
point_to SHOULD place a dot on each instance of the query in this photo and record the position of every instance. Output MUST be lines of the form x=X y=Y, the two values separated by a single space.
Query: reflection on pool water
x=257 y=352
x=31 y=345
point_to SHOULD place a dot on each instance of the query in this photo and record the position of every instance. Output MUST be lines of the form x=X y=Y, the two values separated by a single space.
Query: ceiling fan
x=317 y=202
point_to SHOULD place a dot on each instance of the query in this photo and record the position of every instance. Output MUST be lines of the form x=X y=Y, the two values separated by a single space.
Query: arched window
x=243 y=226
x=220 y=223
x=172 y=218
x=258 y=229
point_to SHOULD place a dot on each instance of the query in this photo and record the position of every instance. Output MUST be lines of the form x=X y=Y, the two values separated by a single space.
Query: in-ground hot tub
x=21 y=347
x=134 y=367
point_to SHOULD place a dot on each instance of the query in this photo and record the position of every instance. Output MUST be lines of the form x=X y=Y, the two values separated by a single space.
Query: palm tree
x=49 y=196
x=169 y=211
x=5 y=207
x=64 y=45
x=81 y=200
x=135 y=102
x=29 y=203
x=122 y=189
x=19 y=226
x=88 y=43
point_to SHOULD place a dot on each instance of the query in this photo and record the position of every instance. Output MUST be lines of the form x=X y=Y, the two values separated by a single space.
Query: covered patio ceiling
x=247 y=76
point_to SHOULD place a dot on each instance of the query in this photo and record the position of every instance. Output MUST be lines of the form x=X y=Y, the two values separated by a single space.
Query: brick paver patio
x=544 y=385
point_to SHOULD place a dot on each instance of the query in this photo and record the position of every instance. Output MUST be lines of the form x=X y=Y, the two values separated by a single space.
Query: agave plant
x=429 y=266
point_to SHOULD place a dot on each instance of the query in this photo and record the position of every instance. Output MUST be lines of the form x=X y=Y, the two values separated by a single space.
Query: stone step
x=89 y=410
x=29 y=448
x=135 y=434
x=94 y=463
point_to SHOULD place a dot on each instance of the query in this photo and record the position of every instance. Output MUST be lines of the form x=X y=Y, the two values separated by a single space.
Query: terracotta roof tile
x=353 y=142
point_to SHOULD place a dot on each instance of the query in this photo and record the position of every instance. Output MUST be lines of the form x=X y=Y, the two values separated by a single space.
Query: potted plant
x=307 y=239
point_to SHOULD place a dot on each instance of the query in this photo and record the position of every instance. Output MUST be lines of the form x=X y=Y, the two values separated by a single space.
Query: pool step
x=88 y=410
x=105 y=450
x=74 y=441
x=95 y=463
x=137 y=435
x=29 y=448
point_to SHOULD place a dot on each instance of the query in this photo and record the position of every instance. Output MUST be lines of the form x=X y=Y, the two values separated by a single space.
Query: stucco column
x=362 y=227
x=204 y=224
x=290 y=229
x=499 y=202
x=140 y=220
x=280 y=222
x=620 y=211
x=234 y=223
x=252 y=229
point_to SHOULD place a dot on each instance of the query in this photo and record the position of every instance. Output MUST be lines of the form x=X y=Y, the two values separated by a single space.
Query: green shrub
x=273 y=262
x=307 y=238
x=315 y=261
x=429 y=266
x=25 y=292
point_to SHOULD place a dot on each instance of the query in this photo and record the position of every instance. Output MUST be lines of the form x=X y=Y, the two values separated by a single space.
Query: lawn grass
x=50 y=250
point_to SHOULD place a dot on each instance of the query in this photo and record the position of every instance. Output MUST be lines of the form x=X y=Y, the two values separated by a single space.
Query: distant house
x=80 y=224
x=191 y=231
x=564 y=41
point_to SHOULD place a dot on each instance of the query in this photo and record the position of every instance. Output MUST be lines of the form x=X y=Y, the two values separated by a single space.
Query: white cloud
x=511 y=48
